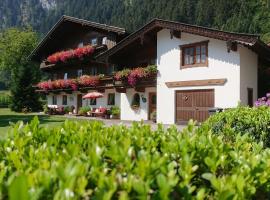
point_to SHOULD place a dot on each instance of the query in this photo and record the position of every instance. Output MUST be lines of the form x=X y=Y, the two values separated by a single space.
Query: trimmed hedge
x=86 y=160
x=242 y=120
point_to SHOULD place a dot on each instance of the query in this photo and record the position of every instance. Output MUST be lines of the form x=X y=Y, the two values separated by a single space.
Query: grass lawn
x=7 y=117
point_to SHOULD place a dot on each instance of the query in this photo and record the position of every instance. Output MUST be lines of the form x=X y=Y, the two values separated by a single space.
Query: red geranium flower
x=64 y=56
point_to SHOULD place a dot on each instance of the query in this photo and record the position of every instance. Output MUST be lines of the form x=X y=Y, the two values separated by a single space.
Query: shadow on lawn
x=6 y=119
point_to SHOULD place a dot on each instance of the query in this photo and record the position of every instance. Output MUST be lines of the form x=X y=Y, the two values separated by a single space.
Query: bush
x=242 y=120
x=83 y=160
x=83 y=110
x=67 y=109
x=4 y=100
x=115 y=110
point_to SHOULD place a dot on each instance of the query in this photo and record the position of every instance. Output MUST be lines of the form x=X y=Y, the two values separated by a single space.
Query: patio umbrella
x=93 y=95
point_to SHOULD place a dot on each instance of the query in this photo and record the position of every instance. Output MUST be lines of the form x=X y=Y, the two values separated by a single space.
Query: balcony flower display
x=64 y=56
x=88 y=81
x=264 y=101
x=46 y=85
x=74 y=84
x=134 y=75
x=122 y=74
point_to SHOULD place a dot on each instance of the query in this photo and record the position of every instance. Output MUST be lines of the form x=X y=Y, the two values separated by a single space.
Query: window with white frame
x=54 y=100
x=65 y=76
x=64 y=100
x=93 y=70
x=79 y=73
x=94 y=41
x=104 y=40
x=111 y=99
x=80 y=44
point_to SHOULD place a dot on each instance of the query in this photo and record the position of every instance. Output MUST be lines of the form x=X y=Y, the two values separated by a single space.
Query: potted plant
x=67 y=110
x=115 y=112
x=83 y=110
x=153 y=116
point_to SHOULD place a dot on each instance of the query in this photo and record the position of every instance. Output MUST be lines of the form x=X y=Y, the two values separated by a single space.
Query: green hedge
x=83 y=160
x=242 y=120
x=4 y=100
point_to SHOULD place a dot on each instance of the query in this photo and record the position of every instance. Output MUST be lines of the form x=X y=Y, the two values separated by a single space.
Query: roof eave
x=118 y=30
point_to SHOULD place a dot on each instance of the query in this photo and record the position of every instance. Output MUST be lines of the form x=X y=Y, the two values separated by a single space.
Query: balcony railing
x=135 y=78
x=72 y=56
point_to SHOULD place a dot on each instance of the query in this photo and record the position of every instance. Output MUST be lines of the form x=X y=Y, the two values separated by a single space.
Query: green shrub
x=242 y=120
x=4 y=99
x=115 y=110
x=83 y=110
x=68 y=109
x=45 y=109
x=82 y=160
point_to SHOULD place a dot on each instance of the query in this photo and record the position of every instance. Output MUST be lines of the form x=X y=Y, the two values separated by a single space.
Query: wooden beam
x=194 y=83
x=231 y=46
x=121 y=90
x=69 y=91
x=101 y=90
x=140 y=89
x=175 y=33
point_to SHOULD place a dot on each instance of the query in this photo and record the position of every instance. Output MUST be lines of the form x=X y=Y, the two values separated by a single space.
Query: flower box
x=64 y=56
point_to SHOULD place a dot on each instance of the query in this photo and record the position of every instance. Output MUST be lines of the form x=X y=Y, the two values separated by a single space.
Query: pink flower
x=89 y=81
x=64 y=56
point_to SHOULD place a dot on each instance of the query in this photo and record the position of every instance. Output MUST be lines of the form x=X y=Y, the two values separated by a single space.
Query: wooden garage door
x=193 y=104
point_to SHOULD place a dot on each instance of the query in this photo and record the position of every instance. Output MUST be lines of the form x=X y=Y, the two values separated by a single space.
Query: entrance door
x=79 y=102
x=193 y=104
x=152 y=103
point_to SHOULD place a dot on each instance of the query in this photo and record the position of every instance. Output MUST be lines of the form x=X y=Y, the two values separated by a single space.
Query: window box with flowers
x=72 y=84
x=65 y=56
x=134 y=76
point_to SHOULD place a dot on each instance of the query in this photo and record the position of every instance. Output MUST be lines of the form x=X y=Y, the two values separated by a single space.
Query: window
x=110 y=69
x=93 y=102
x=104 y=40
x=64 y=100
x=65 y=76
x=194 y=54
x=136 y=101
x=94 y=41
x=250 y=97
x=93 y=70
x=111 y=99
x=54 y=77
x=79 y=73
x=80 y=44
x=54 y=100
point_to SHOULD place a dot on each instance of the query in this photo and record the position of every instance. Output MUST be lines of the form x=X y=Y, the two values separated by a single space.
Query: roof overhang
x=61 y=28
x=250 y=40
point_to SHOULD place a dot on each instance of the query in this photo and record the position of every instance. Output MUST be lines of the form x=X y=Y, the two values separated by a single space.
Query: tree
x=15 y=47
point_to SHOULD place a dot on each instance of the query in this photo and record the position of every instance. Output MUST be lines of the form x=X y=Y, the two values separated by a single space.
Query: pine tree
x=15 y=47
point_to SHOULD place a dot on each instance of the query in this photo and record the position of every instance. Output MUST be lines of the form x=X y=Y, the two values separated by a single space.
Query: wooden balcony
x=109 y=83
x=45 y=65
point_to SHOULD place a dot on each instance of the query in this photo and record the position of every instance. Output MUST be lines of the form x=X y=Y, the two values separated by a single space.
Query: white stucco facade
x=239 y=68
x=126 y=100
x=122 y=100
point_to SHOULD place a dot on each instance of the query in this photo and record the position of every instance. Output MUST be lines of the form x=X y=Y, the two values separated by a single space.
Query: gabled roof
x=250 y=40
x=64 y=19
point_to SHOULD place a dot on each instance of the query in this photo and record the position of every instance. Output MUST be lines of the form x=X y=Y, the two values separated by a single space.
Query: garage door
x=193 y=104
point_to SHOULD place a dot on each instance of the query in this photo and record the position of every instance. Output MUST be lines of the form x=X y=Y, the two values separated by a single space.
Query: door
x=152 y=103
x=193 y=104
x=79 y=102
